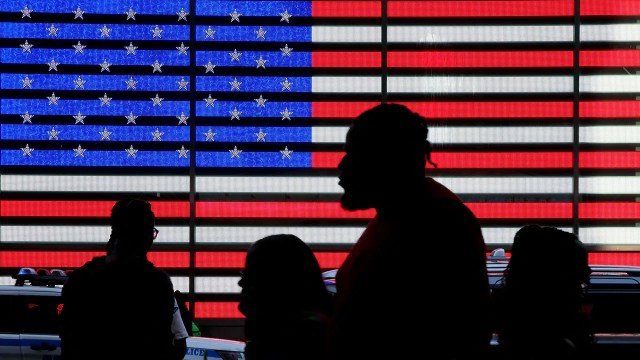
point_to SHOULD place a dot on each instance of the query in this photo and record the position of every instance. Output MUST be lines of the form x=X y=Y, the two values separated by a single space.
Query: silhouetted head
x=281 y=272
x=386 y=151
x=535 y=247
x=132 y=228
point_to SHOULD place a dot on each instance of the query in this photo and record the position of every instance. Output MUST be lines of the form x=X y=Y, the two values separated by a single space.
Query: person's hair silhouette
x=284 y=300
x=418 y=272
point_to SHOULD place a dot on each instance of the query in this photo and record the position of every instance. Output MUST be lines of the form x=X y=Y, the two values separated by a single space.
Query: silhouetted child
x=539 y=304
x=284 y=300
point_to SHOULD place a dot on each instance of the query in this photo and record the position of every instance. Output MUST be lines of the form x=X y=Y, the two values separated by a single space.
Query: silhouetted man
x=120 y=306
x=415 y=285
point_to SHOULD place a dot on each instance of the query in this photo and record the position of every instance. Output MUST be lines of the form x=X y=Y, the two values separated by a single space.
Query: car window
x=42 y=314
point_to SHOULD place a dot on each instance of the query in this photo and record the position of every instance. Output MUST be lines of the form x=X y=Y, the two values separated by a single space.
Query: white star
x=182 y=84
x=130 y=14
x=209 y=67
x=235 y=84
x=235 y=114
x=260 y=101
x=131 y=152
x=105 y=100
x=260 y=136
x=53 y=134
x=182 y=15
x=182 y=119
x=235 y=55
x=105 y=66
x=157 y=32
x=53 y=99
x=79 y=83
x=235 y=16
x=157 y=66
x=286 y=114
x=209 y=135
x=209 y=101
x=26 y=47
x=131 y=84
x=105 y=134
x=26 y=118
x=131 y=119
x=286 y=153
x=157 y=100
x=77 y=14
x=260 y=62
x=26 y=151
x=53 y=30
x=286 y=85
x=79 y=118
x=286 y=50
x=131 y=50
x=53 y=65
x=26 y=82
x=79 y=151
x=235 y=153
x=79 y=48
x=26 y=12
x=182 y=49
x=285 y=16
x=105 y=31
x=209 y=33
x=157 y=135
x=182 y=152
x=260 y=33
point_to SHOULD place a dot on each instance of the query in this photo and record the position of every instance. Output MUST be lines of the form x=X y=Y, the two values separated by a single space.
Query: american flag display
x=230 y=117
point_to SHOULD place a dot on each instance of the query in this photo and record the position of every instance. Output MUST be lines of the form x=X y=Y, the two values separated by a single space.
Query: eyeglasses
x=155 y=233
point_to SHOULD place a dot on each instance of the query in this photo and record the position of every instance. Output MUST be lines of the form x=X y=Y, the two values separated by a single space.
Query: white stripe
x=623 y=185
x=217 y=284
x=610 y=134
x=477 y=34
x=610 y=235
x=468 y=135
x=80 y=234
x=346 y=34
x=479 y=84
x=249 y=234
x=508 y=185
x=94 y=183
x=267 y=184
x=610 y=32
x=610 y=83
x=180 y=283
x=346 y=84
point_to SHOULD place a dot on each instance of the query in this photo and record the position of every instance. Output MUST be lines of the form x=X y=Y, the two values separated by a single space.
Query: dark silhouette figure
x=415 y=284
x=284 y=300
x=537 y=320
x=120 y=306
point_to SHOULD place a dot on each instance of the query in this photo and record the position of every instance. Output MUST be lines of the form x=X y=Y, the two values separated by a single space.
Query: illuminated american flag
x=229 y=116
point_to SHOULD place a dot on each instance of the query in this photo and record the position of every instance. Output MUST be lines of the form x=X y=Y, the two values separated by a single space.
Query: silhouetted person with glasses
x=284 y=300
x=120 y=306
x=415 y=284
x=541 y=314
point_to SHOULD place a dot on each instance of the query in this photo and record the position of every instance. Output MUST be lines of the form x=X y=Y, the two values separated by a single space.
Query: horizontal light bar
x=610 y=32
x=249 y=234
x=346 y=84
x=610 y=83
x=479 y=34
x=610 y=134
x=81 y=234
x=346 y=34
x=217 y=284
x=479 y=84
x=95 y=183
x=623 y=185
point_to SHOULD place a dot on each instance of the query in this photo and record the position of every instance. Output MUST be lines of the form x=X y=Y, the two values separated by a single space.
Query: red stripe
x=346 y=59
x=480 y=8
x=217 y=310
x=282 y=210
x=609 y=8
x=617 y=58
x=84 y=208
x=477 y=59
x=346 y=8
x=610 y=109
x=511 y=110
x=615 y=258
x=235 y=260
x=610 y=160
x=610 y=211
x=74 y=259
x=521 y=210
x=497 y=110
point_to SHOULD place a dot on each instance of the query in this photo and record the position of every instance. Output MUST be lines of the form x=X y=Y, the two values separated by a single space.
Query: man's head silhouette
x=132 y=227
